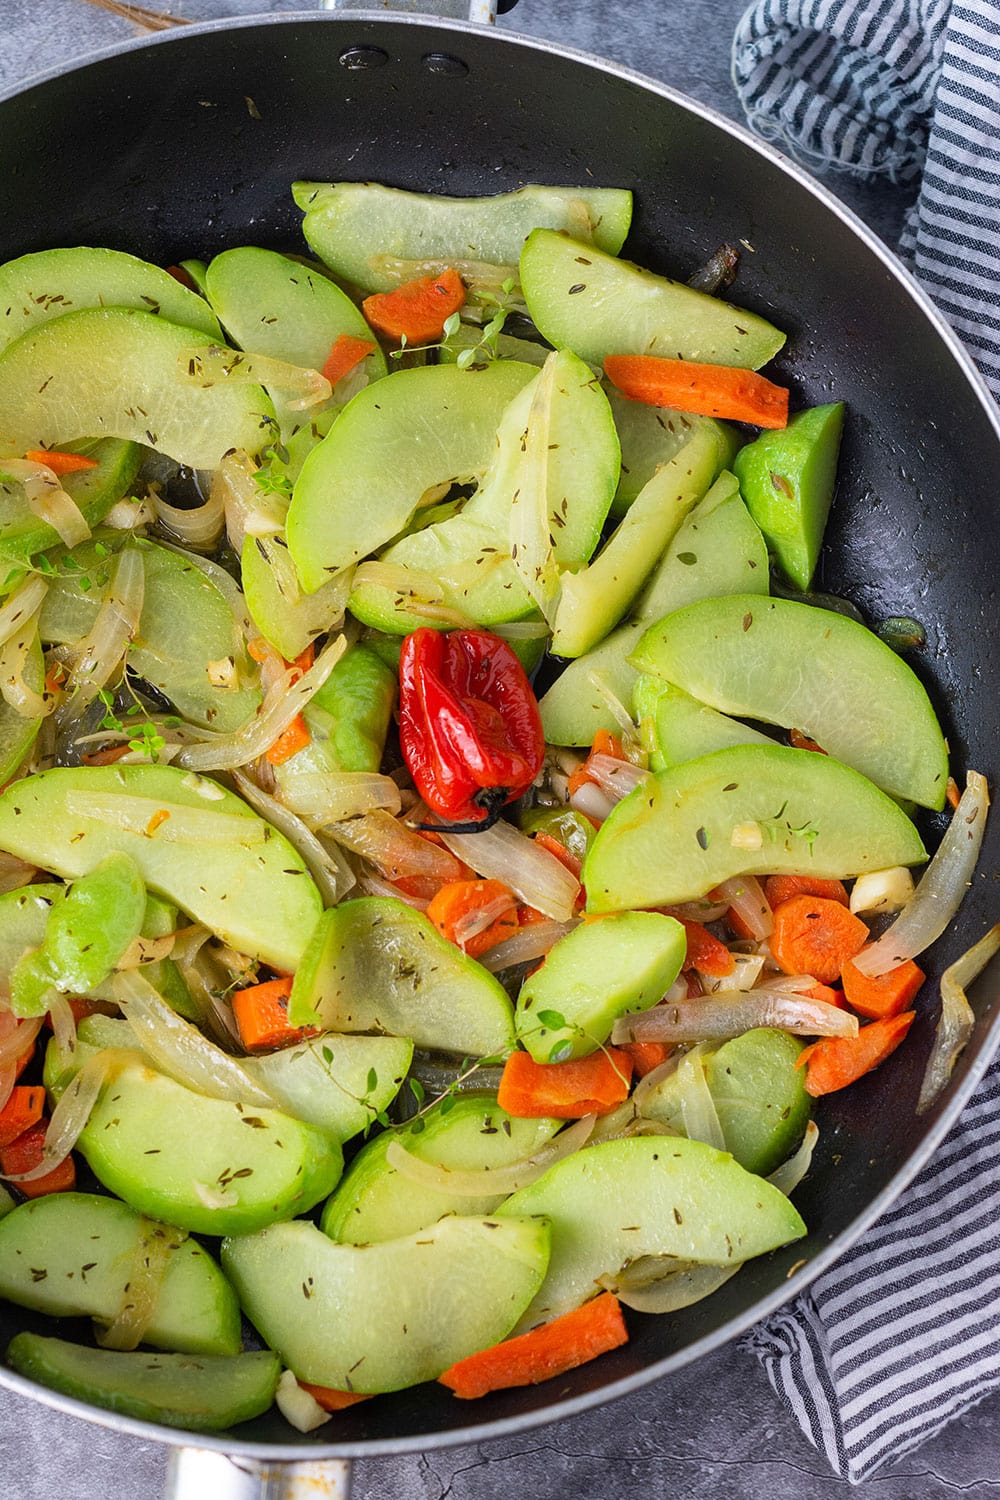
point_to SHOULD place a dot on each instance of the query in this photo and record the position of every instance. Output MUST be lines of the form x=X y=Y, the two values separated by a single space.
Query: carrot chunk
x=647 y=1055
x=542 y=1354
x=778 y=888
x=261 y=1013
x=61 y=463
x=836 y=1061
x=347 y=352
x=592 y=1085
x=333 y=1400
x=565 y=856
x=454 y=907
x=886 y=995
x=605 y=743
x=710 y=390
x=417 y=310
x=25 y=1153
x=814 y=935
x=705 y=951
x=289 y=742
x=23 y=1109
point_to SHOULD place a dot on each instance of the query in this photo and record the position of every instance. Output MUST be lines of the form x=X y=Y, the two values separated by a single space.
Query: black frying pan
x=156 y=149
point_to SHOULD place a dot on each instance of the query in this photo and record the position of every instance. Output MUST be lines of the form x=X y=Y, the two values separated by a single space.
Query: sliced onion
x=501 y=1180
x=590 y=800
x=200 y=527
x=179 y=1049
x=957 y=1017
x=616 y=778
x=730 y=1014
x=374 y=885
x=787 y=1177
x=395 y=850
x=298 y=1407
x=327 y=866
x=699 y=1115
x=472 y=923
x=214 y=364
x=658 y=1284
x=204 y=982
x=129 y=515
x=100 y=653
x=225 y=752
x=16 y=1038
x=15 y=653
x=14 y=872
x=141 y=1295
x=248 y=509
x=63 y=1022
x=745 y=974
x=146 y=950
x=526 y=945
x=601 y=683
x=23 y=603
x=504 y=853
x=940 y=889
x=48 y=500
x=745 y=894
x=71 y=1114
x=323 y=797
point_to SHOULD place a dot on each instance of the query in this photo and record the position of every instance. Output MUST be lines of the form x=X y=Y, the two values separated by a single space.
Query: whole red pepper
x=469 y=725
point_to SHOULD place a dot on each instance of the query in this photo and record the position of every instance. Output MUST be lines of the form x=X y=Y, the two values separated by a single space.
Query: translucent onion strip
x=504 y=853
x=63 y=1022
x=15 y=653
x=526 y=946
x=200 y=527
x=699 y=1115
x=507 y=1179
x=322 y=797
x=745 y=894
x=214 y=364
x=327 y=866
x=286 y=699
x=395 y=850
x=616 y=778
x=656 y=1284
x=957 y=1018
x=48 y=500
x=23 y=603
x=16 y=1038
x=592 y=802
x=249 y=510
x=472 y=923
x=940 y=889
x=179 y=1049
x=101 y=652
x=374 y=885
x=141 y=1295
x=71 y=1114
x=787 y=1177
x=732 y=1013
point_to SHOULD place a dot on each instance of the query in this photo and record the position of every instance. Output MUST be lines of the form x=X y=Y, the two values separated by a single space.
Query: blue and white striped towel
x=903 y=1334
x=896 y=88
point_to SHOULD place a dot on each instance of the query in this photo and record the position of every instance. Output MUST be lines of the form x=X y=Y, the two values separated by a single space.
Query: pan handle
x=483 y=11
x=200 y=1474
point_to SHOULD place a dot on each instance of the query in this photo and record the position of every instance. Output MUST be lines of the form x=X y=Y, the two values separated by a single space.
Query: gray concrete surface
x=716 y=1431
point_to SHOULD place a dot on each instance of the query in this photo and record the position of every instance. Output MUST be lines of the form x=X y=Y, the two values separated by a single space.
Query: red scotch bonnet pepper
x=469 y=725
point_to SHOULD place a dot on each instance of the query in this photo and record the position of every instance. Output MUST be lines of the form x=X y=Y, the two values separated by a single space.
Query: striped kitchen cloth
x=903 y=1334
x=907 y=89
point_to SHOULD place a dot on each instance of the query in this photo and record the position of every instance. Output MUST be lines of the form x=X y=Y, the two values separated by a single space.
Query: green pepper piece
x=572 y=829
x=352 y=709
x=787 y=478
x=85 y=936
